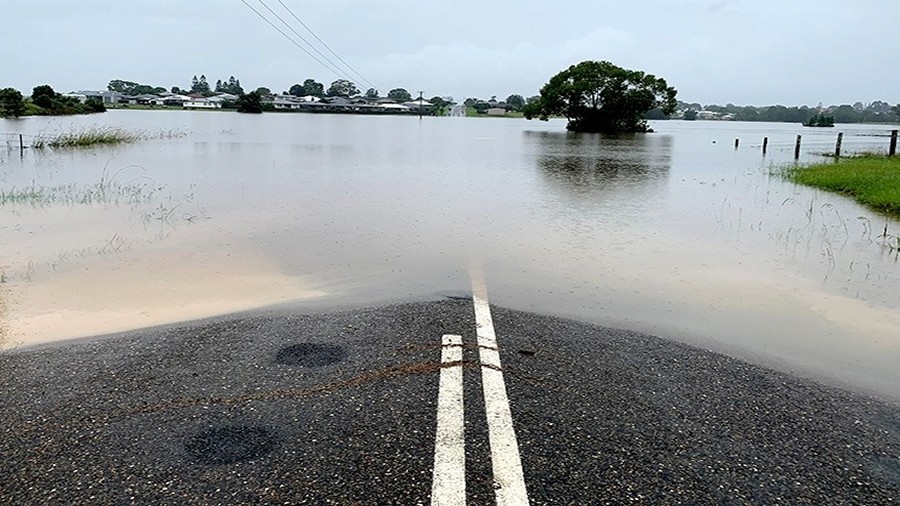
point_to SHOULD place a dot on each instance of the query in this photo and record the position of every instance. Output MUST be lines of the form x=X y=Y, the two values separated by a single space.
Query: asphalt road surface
x=342 y=408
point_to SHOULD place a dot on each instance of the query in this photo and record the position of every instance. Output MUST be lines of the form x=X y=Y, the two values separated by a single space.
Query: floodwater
x=676 y=233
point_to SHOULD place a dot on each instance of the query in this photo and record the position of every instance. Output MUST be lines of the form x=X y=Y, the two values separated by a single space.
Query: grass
x=89 y=137
x=99 y=136
x=872 y=180
x=106 y=191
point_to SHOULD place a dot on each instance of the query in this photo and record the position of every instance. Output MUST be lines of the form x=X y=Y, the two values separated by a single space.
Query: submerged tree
x=601 y=97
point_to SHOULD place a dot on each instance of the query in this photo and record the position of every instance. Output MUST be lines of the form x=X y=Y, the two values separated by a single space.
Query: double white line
x=449 y=478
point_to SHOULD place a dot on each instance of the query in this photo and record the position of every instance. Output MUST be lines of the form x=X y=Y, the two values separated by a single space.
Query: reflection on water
x=618 y=171
x=600 y=162
x=674 y=233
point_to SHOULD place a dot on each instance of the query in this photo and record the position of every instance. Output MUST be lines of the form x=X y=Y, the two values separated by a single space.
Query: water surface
x=676 y=233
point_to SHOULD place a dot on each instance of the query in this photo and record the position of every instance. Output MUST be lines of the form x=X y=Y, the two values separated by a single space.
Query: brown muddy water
x=676 y=233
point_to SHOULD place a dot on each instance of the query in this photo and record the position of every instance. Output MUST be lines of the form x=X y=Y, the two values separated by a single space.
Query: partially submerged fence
x=18 y=141
x=838 y=145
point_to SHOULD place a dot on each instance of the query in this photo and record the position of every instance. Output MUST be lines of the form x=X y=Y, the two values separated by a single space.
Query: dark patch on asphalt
x=311 y=355
x=230 y=444
x=602 y=416
x=888 y=468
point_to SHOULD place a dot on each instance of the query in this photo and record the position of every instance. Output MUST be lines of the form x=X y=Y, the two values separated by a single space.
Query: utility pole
x=421 y=101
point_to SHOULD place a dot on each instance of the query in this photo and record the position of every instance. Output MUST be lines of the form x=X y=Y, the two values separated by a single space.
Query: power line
x=291 y=12
x=292 y=41
x=335 y=68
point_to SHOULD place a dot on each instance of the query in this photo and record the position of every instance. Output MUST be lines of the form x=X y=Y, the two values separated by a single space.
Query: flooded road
x=676 y=233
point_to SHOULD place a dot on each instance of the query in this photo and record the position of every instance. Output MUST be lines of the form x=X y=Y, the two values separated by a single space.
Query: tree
x=399 y=95
x=372 y=93
x=601 y=97
x=655 y=113
x=440 y=105
x=11 y=103
x=200 y=85
x=342 y=88
x=43 y=96
x=94 y=105
x=845 y=114
x=515 y=102
x=690 y=115
x=297 y=90
x=481 y=107
x=219 y=86
x=896 y=110
x=120 y=86
x=311 y=87
x=176 y=89
x=233 y=86
x=263 y=91
x=250 y=102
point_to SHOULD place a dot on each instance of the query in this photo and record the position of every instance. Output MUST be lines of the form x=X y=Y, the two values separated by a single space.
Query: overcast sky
x=756 y=52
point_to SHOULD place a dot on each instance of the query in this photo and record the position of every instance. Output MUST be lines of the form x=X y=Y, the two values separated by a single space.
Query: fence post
x=837 y=147
x=765 y=144
x=797 y=148
x=736 y=143
x=21 y=146
x=893 y=150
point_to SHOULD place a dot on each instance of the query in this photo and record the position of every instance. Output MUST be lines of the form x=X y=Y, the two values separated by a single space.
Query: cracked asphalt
x=340 y=408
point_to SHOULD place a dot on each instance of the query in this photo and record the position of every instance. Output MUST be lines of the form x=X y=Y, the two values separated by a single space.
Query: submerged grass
x=872 y=180
x=106 y=191
x=99 y=136
x=88 y=137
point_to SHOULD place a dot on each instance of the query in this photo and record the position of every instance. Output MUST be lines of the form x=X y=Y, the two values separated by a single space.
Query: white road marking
x=448 y=485
x=509 y=481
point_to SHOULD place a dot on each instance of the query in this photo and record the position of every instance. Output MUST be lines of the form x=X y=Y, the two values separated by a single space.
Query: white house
x=201 y=103
x=79 y=96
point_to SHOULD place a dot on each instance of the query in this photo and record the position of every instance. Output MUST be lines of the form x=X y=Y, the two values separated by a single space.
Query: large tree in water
x=597 y=96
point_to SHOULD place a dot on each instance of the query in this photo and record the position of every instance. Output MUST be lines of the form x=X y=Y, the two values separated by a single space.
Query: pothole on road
x=231 y=443
x=310 y=355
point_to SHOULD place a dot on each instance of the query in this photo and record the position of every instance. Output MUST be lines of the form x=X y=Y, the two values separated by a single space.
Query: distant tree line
x=513 y=103
x=44 y=101
x=875 y=112
x=13 y=103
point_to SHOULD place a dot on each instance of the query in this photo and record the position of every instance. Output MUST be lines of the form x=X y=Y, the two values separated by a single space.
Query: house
x=145 y=99
x=391 y=108
x=339 y=101
x=201 y=103
x=78 y=96
x=284 y=102
x=109 y=97
x=176 y=100
x=496 y=111
x=420 y=105
x=708 y=115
